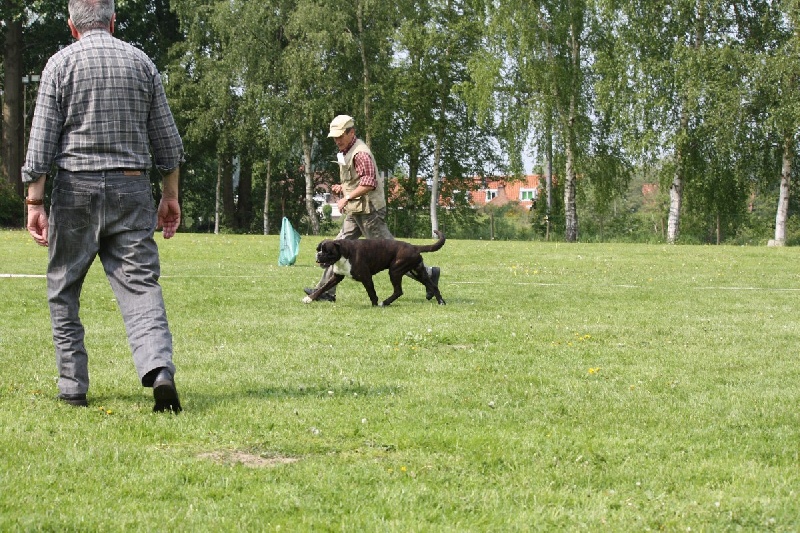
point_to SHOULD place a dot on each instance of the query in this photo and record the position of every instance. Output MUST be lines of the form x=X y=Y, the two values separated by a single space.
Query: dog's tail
x=435 y=246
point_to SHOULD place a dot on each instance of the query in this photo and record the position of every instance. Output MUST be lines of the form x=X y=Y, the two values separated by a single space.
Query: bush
x=793 y=231
x=11 y=207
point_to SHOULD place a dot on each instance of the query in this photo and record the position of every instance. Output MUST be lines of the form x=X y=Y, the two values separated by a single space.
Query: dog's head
x=328 y=253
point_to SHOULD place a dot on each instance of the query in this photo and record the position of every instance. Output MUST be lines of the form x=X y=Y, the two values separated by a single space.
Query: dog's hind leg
x=331 y=283
x=421 y=274
x=397 y=284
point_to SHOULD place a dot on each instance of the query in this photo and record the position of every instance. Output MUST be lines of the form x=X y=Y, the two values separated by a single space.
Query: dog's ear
x=319 y=246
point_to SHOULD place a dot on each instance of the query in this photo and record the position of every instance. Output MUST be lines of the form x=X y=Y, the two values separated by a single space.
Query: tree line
x=606 y=98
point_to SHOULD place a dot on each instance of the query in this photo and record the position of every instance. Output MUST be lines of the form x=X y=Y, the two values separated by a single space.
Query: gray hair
x=91 y=14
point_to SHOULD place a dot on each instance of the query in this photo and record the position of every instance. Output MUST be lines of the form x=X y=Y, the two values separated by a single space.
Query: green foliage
x=602 y=387
x=509 y=222
x=150 y=25
x=793 y=231
x=327 y=225
x=44 y=33
x=463 y=222
x=11 y=207
x=759 y=226
x=463 y=88
x=198 y=177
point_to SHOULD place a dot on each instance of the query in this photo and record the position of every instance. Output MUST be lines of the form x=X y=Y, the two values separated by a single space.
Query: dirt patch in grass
x=247 y=459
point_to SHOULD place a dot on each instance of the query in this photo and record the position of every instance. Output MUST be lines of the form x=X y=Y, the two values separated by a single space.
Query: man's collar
x=350 y=146
x=95 y=31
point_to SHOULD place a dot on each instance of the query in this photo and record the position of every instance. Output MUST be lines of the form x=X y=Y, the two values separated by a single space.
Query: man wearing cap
x=363 y=199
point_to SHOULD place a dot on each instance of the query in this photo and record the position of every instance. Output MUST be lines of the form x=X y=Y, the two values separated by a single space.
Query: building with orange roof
x=499 y=192
x=496 y=192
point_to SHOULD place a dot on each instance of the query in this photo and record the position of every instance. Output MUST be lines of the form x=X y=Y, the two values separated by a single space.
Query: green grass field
x=563 y=387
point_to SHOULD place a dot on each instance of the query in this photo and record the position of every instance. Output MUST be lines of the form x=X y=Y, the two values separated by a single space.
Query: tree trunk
x=266 y=197
x=13 y=136
x=676 y=189
x=312 y=213
x=414 y=159
x=228 y=200
x=675 y=201
x=217 y=197
x=437 y=156
x=365 y=74
x=569 y=197
x=783 y=200
x=548 y=176
x=244 y=200
x=570 y=205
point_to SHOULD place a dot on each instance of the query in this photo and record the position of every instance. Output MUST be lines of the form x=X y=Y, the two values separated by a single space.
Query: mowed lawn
x=563 y=387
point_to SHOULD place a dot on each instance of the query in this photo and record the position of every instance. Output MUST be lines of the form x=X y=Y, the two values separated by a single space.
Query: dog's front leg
x=331 y=283
x=366 y=280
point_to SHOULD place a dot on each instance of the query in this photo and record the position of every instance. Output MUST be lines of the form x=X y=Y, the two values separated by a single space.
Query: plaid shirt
x=101 y=106
x=365 y=170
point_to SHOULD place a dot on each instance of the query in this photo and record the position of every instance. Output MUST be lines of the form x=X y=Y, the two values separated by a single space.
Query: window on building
x=528 y=194
x=491 y=194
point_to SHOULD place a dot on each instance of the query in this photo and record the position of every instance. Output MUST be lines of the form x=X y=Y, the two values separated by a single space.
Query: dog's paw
x=307 y=300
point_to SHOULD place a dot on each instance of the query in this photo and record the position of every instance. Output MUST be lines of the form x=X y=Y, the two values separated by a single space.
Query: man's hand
x=37 y=224
x=169 y=216
x=341 y=203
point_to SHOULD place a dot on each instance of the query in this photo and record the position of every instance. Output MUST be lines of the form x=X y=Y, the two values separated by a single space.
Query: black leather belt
x=123 y=171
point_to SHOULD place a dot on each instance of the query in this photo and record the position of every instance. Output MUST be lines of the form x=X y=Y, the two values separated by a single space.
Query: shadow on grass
x=198 y=401
x=321 y=391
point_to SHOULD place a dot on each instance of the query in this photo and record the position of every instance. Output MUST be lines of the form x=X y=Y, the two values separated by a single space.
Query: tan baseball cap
x=340 y=124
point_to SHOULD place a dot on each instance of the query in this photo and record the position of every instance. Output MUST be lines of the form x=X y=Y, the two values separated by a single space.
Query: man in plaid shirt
x=363 y=199
x=100 y=111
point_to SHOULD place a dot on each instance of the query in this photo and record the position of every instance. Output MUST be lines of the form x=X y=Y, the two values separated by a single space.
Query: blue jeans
x=113 y=216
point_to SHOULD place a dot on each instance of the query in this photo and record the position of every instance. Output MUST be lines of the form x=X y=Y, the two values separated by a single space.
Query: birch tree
x=201 y=88
x=781 y=76
x=258 y=41
x=216 y=90
x=721 y=166
x=318 y=81
x=675 y=75
x=437 y=134
x=544 y=72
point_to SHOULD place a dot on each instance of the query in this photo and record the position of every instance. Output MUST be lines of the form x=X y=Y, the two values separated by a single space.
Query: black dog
x=363 y=258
